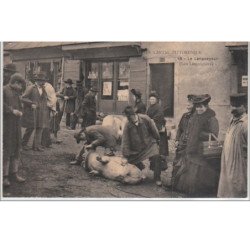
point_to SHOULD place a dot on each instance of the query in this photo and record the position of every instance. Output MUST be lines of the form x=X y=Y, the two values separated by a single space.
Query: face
x=134 y=97
x=132 y=118
x=18 y=86
x=152 y=100
x=200 y=108
x=237 y=111
x=190 y=106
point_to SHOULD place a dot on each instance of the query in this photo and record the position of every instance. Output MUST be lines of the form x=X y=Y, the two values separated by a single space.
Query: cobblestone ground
x=49 y=175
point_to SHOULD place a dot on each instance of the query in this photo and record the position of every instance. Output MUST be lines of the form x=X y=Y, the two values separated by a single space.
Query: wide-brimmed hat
x=202 y=99
x=136 y=92
x=11 y=67
x=69 y=81
x=239 y=99
x=153 y=93
x=40 y=76
x=94 y=89
x=17 y=77
x=129 y=111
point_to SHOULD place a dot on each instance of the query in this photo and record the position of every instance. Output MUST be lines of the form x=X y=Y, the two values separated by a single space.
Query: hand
x=66 y=98
x=176 y=143
x=54 y=113
x=90 y=146
x=33 y=106
x=17 y=112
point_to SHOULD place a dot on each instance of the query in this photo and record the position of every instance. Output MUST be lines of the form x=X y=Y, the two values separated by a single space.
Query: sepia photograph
x=125 y=120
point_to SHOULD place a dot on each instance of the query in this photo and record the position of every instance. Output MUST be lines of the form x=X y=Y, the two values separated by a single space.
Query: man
x=94 y=136
x=140 y=141
x=12 y=112
x=8 y=71
x=81 y=91
x=36 y=112
x=68 y=94
x=233 y=176
x=89 y=107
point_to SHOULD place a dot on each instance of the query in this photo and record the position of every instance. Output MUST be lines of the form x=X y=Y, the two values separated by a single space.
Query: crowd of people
x=39 y=109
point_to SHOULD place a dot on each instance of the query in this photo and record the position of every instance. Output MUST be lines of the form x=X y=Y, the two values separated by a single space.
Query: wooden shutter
x=138 y=76
x=71 y=70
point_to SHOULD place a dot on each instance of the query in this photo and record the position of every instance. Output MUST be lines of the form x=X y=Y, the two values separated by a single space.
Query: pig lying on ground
x=113 y=168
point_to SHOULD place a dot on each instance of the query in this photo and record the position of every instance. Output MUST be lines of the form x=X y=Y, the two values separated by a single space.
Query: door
x=162 y=81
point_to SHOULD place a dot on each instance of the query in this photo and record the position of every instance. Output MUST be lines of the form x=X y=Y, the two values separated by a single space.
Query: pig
x=113 y=168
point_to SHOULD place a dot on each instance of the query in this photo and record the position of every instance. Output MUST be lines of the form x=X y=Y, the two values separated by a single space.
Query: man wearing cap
x=68 y=94
x=12 y=112
x=233 y=176
x=140 y=141
x=139 y=107
x=89 y=107
x=8 y=71
x=36 y=111
x=94 y=136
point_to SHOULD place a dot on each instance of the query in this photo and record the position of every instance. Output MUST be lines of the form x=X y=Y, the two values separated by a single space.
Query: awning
x=237 y=46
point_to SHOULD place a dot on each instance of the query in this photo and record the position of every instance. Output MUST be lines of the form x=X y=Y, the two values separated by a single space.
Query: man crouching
x=139 y=142
x=94 y=136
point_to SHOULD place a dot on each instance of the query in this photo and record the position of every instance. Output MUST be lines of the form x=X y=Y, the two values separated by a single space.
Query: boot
x=75 y=162
x=15 y=177
x=6 y=182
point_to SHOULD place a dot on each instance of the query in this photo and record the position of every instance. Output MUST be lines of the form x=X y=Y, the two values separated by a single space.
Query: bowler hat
x=40 y=76
x=94 y=89
x=153 y=93
x=129 y=111
x=202 y=99
x=17 y=77
x=136 y=92
x=69 y=81
x=238 y=99
x=10 y=67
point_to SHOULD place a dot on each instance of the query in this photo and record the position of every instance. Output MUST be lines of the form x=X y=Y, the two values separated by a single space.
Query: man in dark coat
x=81 y=91
x=140 y=141
x=8 y=71
x=12 y=112
x=89 y=107
x=139 y=107
x=96 y=135
x=68 y=94
x=36 y=112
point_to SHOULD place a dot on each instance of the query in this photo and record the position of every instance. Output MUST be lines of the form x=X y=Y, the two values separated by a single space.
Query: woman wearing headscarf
x=197 y=176
x=139 y=107
x=155 y=112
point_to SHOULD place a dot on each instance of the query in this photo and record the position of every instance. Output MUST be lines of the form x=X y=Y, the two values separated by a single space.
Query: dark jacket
x=140 y=107
x=199 y=128
x=135 y=139
x=11 y=123
x=99 y=135
x=80 y=94
x=32 y=96
x=156 y=114
x=70 y=103
x=89 y=110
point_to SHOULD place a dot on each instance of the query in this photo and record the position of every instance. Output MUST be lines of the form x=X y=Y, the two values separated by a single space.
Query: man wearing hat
x=8 y=71
x=12 y=113
x=140 y=141
x=81 y=91
x=233 y=176
x=89 y=107
x=36 y=111
x=68 y=94
x=139 y=107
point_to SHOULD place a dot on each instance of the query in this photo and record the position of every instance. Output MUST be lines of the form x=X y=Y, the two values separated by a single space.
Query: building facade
x=173 y=69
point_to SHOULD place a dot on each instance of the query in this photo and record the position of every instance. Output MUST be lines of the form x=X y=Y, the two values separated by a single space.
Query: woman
x=139 y=107
x=197 y=176
x=181 y=135
x=156 y=114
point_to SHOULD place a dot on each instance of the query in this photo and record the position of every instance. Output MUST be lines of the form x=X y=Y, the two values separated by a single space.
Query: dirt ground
x=49 y=175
